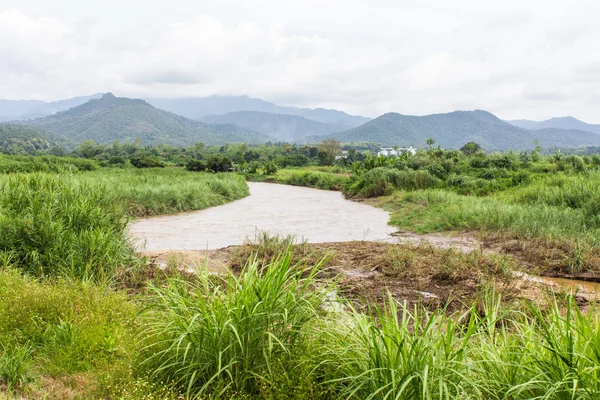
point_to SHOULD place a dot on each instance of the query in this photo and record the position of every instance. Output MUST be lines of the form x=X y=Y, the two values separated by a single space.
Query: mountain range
x=281 y=127
x=452 y=130
x=111 y=118
x=561 y=123
x=217 y=120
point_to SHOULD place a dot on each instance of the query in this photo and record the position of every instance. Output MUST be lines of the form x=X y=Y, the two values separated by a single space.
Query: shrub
x=147 y=162
x=270 y=168
x=240 y=334
x=383 y=181
x=196 y=166
x=219 y=164
x=55 y=225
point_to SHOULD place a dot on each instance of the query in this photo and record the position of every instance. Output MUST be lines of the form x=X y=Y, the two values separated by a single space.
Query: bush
x=196 y=166
x=270 y=168
x=219 y=164
x=54 y=225
x=147 y=162
x=237 y=335
x=383 y=181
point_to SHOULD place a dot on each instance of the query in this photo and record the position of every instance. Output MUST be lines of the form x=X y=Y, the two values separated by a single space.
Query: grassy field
x=82 y=316
x=326 y=178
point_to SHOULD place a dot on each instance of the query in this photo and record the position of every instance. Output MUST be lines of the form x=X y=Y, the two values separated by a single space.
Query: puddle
x=585 y=289
x=315 y=215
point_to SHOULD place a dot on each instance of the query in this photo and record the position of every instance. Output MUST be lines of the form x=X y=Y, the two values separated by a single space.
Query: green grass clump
x=313 y=179
x=58 y=327
x=439 y=210
x=56 y=225
x=154 y=191
x=244 y=334
x=13 y=164
x=384 y=181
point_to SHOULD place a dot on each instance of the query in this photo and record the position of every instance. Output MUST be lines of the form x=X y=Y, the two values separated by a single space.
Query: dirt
x=435 y=270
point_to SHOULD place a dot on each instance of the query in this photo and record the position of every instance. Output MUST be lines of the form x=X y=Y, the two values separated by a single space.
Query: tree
x=330 y=149
x=470 y=148
x=430 y=142
x=89 y=149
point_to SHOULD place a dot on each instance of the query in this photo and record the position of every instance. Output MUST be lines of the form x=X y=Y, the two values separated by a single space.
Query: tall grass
x=314 y=179
x=520 y=353
x=14 y=164
x=56 y=225
x=144 y=192
x=384 y=181
x=438 y=210
x=244 y=334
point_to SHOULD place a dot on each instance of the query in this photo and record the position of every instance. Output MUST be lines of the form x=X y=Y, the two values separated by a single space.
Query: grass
x=56 y=225
x=325 y=178
x=62 y=328
x=245 y=334
x=23 y=164
x=156 y=191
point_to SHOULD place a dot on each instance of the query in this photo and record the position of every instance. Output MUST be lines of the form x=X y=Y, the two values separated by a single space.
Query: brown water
x=589 y=290
x=311 y=214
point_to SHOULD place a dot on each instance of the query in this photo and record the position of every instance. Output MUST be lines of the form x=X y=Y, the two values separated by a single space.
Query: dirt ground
x=433 y=270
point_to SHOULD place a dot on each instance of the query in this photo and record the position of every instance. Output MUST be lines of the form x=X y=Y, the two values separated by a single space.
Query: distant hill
x=21 y=139
x=281 y=127
x=11 y=110
x=199 y=107
x=452 y=130
x=111 y=118
x=561 y=123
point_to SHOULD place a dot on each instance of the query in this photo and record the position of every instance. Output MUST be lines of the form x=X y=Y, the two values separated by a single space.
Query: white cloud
x=518 y=59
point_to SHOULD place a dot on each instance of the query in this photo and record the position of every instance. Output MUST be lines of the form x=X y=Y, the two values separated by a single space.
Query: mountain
x=21 y=139
x=111 y=118
x=561 y=123
x=198 y=107
x=11 y=110
x=452 y=130
x=281 y=127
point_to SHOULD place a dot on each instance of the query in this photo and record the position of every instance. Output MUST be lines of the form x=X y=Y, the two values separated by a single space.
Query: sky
x=528 y=59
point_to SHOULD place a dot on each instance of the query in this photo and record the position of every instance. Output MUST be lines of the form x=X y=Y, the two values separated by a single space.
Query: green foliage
x=56 y=225
x=56 y=327
x=144 y=192
x=313 y=179
x=384 y=181
x=242 y=334
x=22 y=140
x=219 y=164
x=147 y=162
x=196 y=166
x=12 y=164
x=270 y=168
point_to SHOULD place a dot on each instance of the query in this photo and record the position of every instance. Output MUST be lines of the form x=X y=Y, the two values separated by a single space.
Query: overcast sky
x=530 y=59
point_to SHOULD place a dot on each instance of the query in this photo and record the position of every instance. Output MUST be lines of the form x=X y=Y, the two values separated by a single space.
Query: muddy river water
x=315 y=215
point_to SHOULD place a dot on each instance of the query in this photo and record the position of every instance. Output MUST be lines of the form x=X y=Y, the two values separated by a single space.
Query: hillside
x=111 y=118
x=281 y=127
x=11 y=110
x=560 y=123
x=215 y=105
x=454 y=129
x=20 y=139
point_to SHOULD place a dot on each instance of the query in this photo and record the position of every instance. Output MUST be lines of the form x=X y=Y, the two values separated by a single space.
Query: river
x=311 y=214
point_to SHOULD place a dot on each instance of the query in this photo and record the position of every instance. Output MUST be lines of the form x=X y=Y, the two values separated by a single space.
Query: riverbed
x=313 y=215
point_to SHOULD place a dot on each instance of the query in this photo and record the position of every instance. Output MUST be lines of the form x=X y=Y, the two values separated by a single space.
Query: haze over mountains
x=111 y=118
x=452 y=130
x=217 y=120
x=561 y=123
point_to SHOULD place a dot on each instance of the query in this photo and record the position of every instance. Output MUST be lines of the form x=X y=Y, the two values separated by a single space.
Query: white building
x=390 y=152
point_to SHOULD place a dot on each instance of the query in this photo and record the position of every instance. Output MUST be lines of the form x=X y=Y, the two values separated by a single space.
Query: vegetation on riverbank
x=82 y=316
